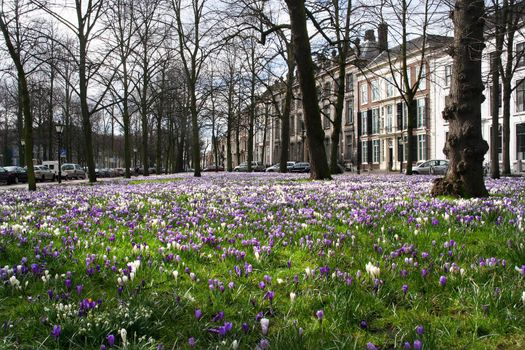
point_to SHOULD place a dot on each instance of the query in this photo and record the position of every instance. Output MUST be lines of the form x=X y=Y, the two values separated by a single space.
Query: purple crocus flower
x=419 y=330
x=262 y=285
x=79 y=289
x=370 y=346
x=363 y=324
x=269 y=295
x=405 y=288
x=56 y=331
x=192 y=342
x=67 y=282
x=407 y=346
x=245 y=327
x=418 y=345
x=442 y=280
x=320 y=315
x=102 y=347
x=198 y=314
x=219 y=316
x=111 y=340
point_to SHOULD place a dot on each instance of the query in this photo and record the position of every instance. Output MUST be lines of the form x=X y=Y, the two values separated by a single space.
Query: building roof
x=432 y=42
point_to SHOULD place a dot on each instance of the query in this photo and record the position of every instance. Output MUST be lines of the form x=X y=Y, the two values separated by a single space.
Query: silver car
x=433 y=166
x=275 y=168
x=43 y=173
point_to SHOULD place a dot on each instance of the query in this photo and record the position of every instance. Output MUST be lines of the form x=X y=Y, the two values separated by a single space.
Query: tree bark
x=495 y=66
x=312 y=117
x=465 y=147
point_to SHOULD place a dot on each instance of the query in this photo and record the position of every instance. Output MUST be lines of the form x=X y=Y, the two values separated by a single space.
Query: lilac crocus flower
x=192 y=342
x=419 y=330
x=407 y=346
x=370 y=346
x=56 y=331
x=198 y=314
x=405 y=288
x=418 y=345
x=363 y=324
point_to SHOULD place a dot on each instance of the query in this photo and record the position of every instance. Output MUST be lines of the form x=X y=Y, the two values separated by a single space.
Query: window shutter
x=369 y=122
x=427 y=112
x=400 y=116
x=369 y=151
x=358 y=125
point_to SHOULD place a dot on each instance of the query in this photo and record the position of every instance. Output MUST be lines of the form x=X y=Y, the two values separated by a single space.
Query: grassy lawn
x=267 y=261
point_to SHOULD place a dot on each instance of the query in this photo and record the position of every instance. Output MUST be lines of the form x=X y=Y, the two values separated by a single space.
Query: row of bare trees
x=167 y=74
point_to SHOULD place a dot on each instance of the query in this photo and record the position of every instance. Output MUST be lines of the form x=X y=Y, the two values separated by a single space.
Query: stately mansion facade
x=375 y=115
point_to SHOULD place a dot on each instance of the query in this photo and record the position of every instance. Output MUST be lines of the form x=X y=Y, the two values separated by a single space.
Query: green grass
x=478 y=309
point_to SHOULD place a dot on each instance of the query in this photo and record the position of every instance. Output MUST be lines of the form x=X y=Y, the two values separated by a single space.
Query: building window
x=277 y=130
x=292 y=124
x=375 y=90
x=520 y=96
x=348 y=144
x=349 y=83
x=364 y=122
x=421 y=113
x=349 y=111
x=388 y=118
x=422 y=84
x=375 y=151
x=375 y=121
x=364 y=151
x=422 y=147
x=520 y=54
x=448 y=75
x=364 y=93
x=389 y=87
x=520 y=141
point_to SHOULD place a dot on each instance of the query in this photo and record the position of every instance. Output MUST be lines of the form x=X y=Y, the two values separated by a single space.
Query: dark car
x=301 y=167
x=212 y=168
x=4 y=175
x=16 y=174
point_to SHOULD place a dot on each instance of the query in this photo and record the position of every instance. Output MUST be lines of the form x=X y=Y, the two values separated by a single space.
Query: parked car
x=275 y=168
x=43 y=173
x=433 y=166
x=72 y=171
x=120 y=171
x=16 y=174
x=212 y=168
x=256 y=166
x=4 y=176
x=301 y=167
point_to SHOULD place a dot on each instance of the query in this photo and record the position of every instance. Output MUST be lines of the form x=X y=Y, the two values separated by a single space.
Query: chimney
x=382 y=36
x=370 y=36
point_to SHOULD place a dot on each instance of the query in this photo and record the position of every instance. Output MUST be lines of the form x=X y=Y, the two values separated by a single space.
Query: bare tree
x=312 y=116
x=11 y=26
x=465 y=147
x=86 y=29
x=192 y=30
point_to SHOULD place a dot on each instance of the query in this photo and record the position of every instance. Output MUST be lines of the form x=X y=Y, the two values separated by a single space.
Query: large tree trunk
x=495 y=100
x=411 y=120
x=312 y=118
x=505 y=156
x=465 y=147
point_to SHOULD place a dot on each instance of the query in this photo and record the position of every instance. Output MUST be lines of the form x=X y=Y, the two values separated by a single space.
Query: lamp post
x=59 y=129
x=303 y=137
x=21 y=153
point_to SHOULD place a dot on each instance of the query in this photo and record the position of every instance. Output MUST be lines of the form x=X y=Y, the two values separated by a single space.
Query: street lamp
x=59 y=129
x=303 y=137
x=23 y=144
